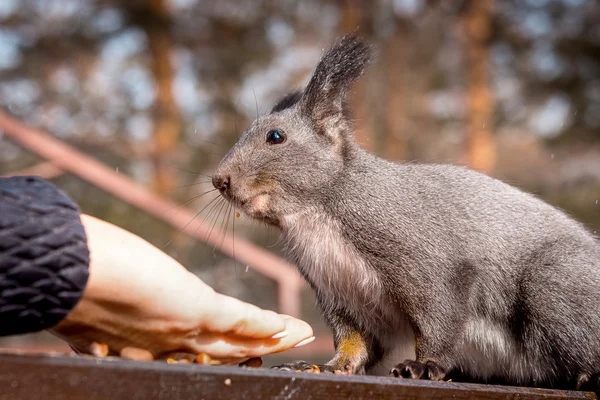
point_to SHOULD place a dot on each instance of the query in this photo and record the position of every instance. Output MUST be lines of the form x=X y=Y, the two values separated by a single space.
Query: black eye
x=275 y=136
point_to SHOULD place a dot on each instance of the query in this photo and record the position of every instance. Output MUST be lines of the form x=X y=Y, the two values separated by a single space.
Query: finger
x=234 y=317
x=221 y=346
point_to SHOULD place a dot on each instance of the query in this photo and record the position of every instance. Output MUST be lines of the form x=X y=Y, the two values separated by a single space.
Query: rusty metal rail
x=59 y=377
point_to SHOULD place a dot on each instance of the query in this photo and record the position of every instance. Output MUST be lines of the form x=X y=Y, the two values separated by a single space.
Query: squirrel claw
x=410 y=369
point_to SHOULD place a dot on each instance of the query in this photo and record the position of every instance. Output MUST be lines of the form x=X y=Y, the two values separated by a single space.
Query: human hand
x=139 y=296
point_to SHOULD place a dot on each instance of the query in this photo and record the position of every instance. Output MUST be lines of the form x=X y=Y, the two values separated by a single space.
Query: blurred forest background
x=160 y=89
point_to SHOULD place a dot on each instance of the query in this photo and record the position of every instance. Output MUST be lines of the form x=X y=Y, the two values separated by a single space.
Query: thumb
x=230 y=316
x=234 y=350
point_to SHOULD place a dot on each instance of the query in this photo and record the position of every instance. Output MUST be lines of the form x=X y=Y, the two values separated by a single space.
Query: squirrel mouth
x=255 y=203
x=250 y=199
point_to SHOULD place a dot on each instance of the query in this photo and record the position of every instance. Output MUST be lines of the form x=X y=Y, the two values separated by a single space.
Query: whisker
x=188 y=171
x=233 y=217
x=186 y=225
x=276 y=241
x=190 y=200
x=194 y=184
x=216 y=217
x=210 y=213
x=224 y=225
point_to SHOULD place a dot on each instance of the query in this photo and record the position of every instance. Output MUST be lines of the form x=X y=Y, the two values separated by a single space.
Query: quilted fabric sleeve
x=44 y=256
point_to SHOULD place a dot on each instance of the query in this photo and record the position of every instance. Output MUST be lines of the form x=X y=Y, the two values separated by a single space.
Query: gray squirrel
x=423 y=270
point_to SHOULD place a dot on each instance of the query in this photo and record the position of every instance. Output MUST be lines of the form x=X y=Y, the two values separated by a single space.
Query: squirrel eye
x=275 y=136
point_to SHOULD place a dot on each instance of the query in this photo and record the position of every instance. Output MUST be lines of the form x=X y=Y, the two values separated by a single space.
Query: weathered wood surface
x=61 y=377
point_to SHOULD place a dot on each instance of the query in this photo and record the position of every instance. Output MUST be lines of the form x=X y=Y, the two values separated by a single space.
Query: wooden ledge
x=27 y=376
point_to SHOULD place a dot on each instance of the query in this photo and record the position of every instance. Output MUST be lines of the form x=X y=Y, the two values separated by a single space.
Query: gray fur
x=491 y=281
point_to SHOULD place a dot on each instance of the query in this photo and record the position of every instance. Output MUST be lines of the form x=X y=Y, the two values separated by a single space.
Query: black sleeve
x=44 y=257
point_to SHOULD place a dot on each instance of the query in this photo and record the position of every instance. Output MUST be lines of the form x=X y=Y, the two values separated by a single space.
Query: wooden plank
x=60 y=377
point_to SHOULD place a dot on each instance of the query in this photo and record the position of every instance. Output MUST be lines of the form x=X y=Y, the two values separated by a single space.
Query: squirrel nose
x=221 y=182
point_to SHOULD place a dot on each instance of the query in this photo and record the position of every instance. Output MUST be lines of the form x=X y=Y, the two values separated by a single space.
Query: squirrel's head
x=288 y=159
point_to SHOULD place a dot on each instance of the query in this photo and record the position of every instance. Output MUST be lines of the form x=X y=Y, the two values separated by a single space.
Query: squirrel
x=421 y=271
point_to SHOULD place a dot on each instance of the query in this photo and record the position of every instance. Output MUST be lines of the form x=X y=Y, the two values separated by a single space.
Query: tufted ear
x=334 y=76
x=287 y=101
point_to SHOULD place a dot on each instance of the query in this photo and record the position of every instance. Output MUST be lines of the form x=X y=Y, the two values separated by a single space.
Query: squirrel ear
x=287 y=101
x=337 y=70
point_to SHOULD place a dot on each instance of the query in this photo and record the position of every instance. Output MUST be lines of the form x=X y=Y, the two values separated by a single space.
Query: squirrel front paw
x=417 y=370
x=303 y=366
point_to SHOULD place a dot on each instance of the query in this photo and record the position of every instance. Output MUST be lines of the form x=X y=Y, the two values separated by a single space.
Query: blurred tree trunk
x=395 y=60
x=481 y=147
x=155 y=22
x=378 y=98
x=355 y=14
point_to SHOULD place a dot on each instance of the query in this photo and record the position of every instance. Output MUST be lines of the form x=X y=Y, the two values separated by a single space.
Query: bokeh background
x=158 y=90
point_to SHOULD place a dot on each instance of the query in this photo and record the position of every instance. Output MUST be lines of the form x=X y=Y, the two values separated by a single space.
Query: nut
x=98 y=349
x=203 y=358
x=136 y=354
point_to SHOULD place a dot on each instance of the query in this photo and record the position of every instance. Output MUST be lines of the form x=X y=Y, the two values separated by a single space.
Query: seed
x=136 y=354
x=99 y=349
x=180 y=361
x=237 y=214
x=337 y=372
x=227 y=382
x=314 y=369
x=202 y=358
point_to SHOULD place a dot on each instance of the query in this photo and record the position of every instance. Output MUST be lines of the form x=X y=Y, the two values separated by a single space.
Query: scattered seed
x=203 y=358
x=337 y=372
x=180 y=361
x=314 y=369
x=227 y=382
x=136 y=354
x=99 y=349
x=237 y=214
